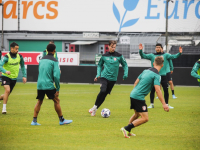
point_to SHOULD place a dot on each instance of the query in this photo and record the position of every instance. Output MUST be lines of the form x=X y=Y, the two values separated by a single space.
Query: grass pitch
x=176 y=130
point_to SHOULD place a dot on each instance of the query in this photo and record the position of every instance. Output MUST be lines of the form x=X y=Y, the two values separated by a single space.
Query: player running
x=108 y=76
x=9 y=66
x=162 y=72
x=144 y=83
x=49 y=72
x=196 y=71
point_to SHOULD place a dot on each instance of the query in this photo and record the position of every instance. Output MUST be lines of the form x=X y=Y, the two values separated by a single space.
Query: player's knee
x=103 y=90
x=146 y=119
x=170 y=82
x=7 y=91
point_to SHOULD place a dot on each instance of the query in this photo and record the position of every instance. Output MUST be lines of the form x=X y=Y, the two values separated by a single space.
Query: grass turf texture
x=176 y=130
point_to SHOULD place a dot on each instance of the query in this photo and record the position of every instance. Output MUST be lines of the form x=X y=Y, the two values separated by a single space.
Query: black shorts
x=106 y=85
x=169 y=76
x=164 y=82
x=8 y=81
x=138 y=105
x=41 y=93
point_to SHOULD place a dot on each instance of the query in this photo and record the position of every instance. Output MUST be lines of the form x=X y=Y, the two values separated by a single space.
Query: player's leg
x=37 y=108
x=169 y=78
x=100 y=97
x=152 y=95
x=164 y=84
x=135 y=116
x=54 y=96
x=172 y=89
x=5 y=98
x=140 y=109
x=40 y=97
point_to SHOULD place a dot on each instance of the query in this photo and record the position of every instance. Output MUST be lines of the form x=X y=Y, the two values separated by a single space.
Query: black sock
x=61 y=118
x=172 y=92
x=34 y=119
x=129 y=127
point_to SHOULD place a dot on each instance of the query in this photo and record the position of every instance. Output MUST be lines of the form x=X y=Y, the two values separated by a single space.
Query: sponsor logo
x=115 y=59
x=14 y=63
x=129 y=5
x=4 y=82
x=144 y=108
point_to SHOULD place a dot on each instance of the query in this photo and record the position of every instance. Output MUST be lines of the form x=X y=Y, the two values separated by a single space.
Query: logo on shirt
x=115 y=59
x=4 y=82
x=144 y=108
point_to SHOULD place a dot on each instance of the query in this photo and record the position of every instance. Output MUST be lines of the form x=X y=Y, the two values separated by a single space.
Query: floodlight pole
x=166 y=30
x=2 y=45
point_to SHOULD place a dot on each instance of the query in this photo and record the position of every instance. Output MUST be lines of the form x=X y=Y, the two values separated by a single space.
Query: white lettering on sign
x=27 y=59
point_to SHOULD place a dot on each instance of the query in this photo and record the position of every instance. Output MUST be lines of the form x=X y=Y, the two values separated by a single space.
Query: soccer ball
x=105 y=113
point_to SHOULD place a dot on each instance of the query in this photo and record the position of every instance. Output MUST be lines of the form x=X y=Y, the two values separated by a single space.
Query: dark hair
x=158 y=44
x=159 y=60
x=13 y=44
x=51 y=42
x=112 y=43
x=51 y=47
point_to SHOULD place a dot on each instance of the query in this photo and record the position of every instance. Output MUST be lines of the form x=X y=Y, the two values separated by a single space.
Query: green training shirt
x=111 y=62
x=147 y=79
x=49 y=73
x=166 y=57
x=10 y=62
x=196 y=70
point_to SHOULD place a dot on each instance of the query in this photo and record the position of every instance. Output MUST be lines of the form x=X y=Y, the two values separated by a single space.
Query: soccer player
x=9 y=66
x=49 y=72
x=147 y=79
x=108 y=76
x=169 y=70
x=162 y=72
x=45 y=52
x=196 y=71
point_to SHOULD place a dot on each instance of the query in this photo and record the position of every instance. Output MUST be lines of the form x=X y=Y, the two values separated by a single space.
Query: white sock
x=151 y=103
x=4 y=106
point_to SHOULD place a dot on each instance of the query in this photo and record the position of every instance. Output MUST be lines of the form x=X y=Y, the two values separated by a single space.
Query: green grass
x=176 y=130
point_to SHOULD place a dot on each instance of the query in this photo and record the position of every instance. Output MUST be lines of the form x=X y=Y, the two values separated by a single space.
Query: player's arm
x=138 y=79
x=195 y=69
x=99 y=67
x=157 y=79
x=56 y=75
x=125 y=67
x=2 y=62
x=143 y=55
x=23 y=68
x=56 y=56
x=171 y=65
x=136 y=82
x=169 y=56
